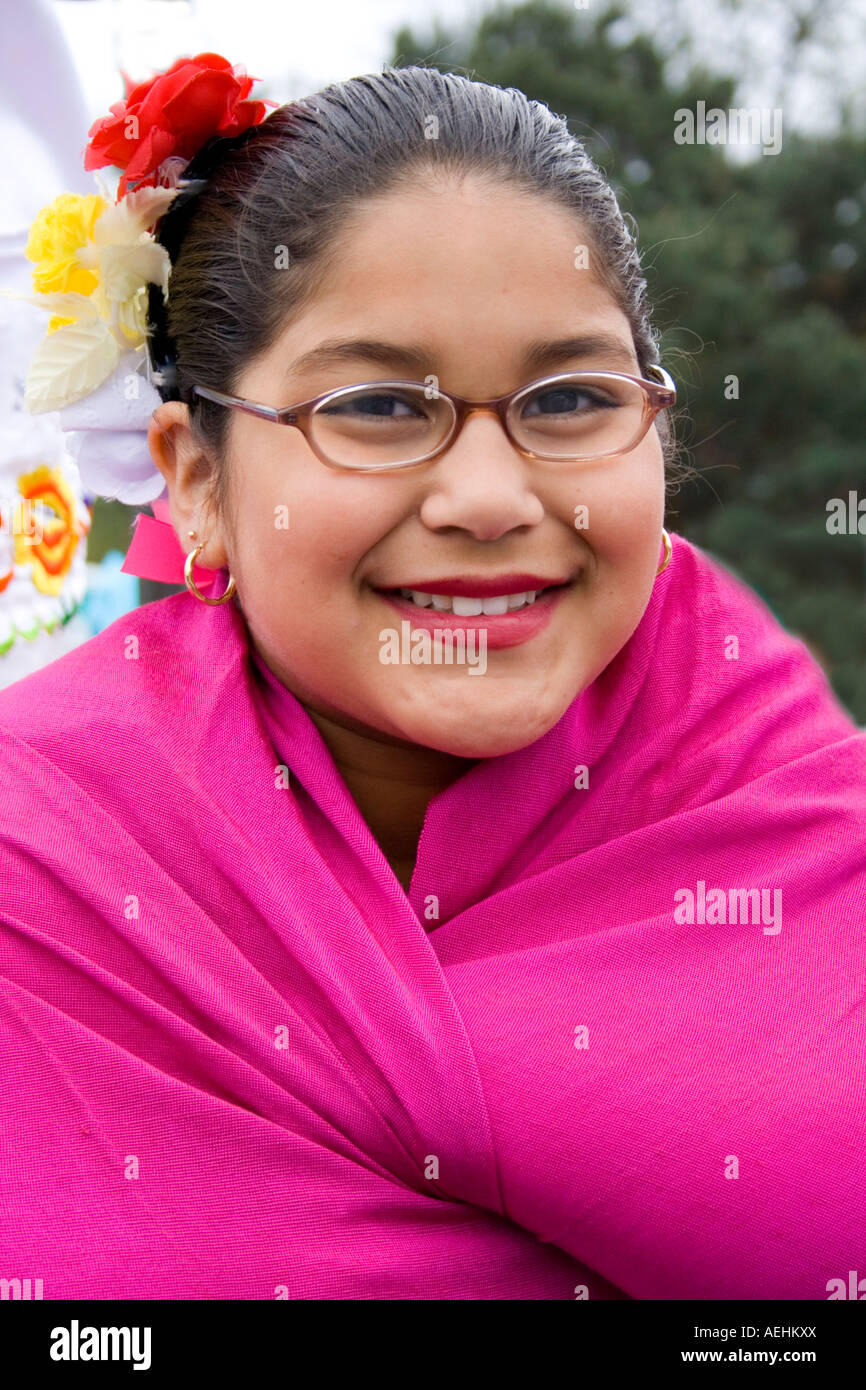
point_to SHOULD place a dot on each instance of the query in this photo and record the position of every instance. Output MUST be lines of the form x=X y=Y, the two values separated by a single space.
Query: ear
x=188 y=471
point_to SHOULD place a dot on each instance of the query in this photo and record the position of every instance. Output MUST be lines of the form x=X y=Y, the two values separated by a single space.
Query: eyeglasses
x=573 y=417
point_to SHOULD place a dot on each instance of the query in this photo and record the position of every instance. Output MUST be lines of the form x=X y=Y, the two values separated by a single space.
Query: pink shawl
x=610 y=1045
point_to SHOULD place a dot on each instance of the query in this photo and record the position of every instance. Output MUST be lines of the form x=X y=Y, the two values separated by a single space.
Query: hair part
x=250 y=249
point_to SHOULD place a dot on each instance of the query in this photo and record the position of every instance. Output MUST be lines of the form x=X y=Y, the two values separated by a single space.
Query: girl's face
x=472 y=279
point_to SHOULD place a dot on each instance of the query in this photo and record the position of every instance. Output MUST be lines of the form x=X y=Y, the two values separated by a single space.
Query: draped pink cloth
x=238 y=1061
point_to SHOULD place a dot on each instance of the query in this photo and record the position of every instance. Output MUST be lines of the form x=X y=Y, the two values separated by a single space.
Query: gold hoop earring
x=190 y=582
x=669 y=550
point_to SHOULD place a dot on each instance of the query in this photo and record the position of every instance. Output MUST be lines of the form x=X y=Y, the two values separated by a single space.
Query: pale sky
x=297 y=46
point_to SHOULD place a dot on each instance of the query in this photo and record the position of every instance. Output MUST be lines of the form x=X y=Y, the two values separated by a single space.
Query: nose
x=481 y=483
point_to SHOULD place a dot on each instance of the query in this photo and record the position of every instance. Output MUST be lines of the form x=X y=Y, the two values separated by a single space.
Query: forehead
x=477 y=271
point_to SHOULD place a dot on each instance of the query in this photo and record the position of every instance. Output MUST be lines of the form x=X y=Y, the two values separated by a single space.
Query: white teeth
x=495 y=606
x=464 y=607
x=518 y=600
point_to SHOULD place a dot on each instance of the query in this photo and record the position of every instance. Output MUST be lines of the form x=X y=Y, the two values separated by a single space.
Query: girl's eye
x=568 y=400
x=379 y=404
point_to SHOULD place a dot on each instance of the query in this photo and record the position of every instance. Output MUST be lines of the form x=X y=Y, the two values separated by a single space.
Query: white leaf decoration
x=69 y=364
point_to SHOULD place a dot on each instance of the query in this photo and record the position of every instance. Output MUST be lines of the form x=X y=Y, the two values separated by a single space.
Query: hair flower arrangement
x=95 y=256
x=94 y=262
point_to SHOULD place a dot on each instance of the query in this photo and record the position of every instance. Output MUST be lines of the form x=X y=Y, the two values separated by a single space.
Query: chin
x=471 y=728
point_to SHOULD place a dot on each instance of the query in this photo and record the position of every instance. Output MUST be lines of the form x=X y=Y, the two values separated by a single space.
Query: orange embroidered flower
x=51 y=556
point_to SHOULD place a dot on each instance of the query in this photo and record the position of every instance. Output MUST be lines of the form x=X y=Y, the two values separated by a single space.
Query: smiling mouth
x=497 y=605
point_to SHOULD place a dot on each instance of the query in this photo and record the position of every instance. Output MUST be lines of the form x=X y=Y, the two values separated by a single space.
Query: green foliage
x=756 y=270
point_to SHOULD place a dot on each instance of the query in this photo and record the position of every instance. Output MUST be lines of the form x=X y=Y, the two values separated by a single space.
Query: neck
x=391 y=781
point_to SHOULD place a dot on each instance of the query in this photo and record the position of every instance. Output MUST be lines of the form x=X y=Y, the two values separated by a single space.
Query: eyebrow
x=422 y=357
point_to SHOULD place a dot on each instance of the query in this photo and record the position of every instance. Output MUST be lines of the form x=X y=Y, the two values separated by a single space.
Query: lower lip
x=503 y=630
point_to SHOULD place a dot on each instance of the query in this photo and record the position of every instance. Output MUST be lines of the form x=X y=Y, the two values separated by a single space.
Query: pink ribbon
x=156 y=553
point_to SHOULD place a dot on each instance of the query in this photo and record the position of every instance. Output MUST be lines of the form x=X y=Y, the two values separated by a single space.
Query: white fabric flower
x=107 y=436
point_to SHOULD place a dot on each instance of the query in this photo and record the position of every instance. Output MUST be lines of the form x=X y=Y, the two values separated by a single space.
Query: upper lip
x=464 y=586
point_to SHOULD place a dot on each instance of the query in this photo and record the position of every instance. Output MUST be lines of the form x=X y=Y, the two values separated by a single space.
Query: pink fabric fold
x=156 y=553
x=239 y=1061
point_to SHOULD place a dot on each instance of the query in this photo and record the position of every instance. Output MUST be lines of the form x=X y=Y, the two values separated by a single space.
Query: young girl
x=460 y=898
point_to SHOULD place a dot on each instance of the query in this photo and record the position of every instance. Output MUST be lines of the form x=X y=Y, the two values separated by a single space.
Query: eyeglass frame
x=658 y=396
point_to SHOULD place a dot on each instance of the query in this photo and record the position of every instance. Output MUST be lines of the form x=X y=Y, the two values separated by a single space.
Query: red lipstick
x=464 y=586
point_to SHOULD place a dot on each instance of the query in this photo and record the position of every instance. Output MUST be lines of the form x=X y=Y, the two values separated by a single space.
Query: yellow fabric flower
x=57 y=234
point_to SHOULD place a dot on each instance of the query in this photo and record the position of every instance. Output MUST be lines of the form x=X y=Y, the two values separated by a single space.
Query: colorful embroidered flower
x=174 y=113
x=51 y=556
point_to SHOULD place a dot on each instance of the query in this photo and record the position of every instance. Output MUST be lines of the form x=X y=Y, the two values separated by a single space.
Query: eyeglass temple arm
x=267 y=412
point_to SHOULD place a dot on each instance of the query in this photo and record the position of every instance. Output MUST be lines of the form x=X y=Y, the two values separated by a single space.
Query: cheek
x=301 y=539
x=624 y=500
x=625 y=509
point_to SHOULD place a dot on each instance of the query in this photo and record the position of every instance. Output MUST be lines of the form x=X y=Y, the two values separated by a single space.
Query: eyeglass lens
x=577 y=416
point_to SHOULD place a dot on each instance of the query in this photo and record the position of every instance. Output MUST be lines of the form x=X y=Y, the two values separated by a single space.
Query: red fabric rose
x=176 y=113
